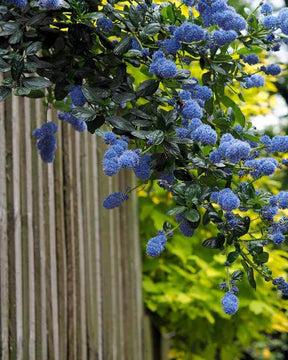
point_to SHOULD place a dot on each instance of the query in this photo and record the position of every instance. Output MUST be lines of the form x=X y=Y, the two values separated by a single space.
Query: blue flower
x=228 y=200
x=114 y=200
x=182 y=132
x=222 y=37
x=188 y=33
x=128 y=159
x=283 y=200
x=214 y=196
x=158 y=55
x=105 y=24
x=109 y=138
x=185 y=227
x=163 y=68
x=191 y=110
x=266 y=9
x=172 y=46
x=215 y=157
x=194 y=124
x=201 y=92
x=254 y=81
x=279 y=143
x=271 y=22
x=235 y=150
x=184 y=95
x=46 y=143
x=156 y=245
x=77 y=96
x=135 y=45
x=50 y=4
x=266 y=140
x=267 y=166
x=111 y=166
x=143 y=168
x=268 y=212
x=230 y=303
x=273 y=69
x=278 y=238
x=251 y=59
x=205 y=134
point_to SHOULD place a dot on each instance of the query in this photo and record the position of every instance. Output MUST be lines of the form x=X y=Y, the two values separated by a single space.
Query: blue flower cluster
x=185 y=227
x=118 y=156
x=46 y=143
x=17 y=3
x=254 y=81
x=251 y=59
x=156 y=245
x=77 y=124
x=272 y=69
x=77 y=97
x=161 y=66
x=105 y=24
x=282 y=285
x=230 y=303
x=50 y=4
x=114 y=200
x=219 y=13
x=227 y=200
x=233 y=149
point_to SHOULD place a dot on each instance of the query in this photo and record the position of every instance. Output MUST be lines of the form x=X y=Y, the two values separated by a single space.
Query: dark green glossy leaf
x=237 y=275
x=251 y=279
x=147 y=88
x=84 y=113
x=176 y=210
x=151 y=29
x=192 y=215
x=232 y=256
x=4 y=92
x=35 y=83
x=120 y=123
x=123 y=46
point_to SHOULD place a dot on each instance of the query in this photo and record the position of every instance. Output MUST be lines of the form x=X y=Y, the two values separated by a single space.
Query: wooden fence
x=70 y=272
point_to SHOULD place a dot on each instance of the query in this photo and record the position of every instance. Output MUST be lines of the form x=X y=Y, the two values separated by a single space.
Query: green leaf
x=4 y=67
x=176 y=210
x=35 y=83
x=206 y=218
x=239 y=116
x=4 y=92
x=237 y=275
x=120 y=123
x=168 y=13
x=182 y=74
x=232 y=256
x=261 y=258
x=156 y=137
x=147 y=88
x=34 y=48
x=17 y=67
x=16 y=37
x=123 y=46
x=214 y=242
x=84 y=113
x=92 y=94
x=192 y=215
x=251 y=279
x=151 y=29
x=123 y=97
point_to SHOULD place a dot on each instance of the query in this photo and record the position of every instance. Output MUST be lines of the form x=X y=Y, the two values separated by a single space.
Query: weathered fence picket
x=70 y=271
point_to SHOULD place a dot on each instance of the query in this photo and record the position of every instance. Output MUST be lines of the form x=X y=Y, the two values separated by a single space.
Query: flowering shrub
x=178 y=126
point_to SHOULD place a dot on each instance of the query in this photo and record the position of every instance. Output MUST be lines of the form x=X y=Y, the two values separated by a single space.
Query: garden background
x=71 y=283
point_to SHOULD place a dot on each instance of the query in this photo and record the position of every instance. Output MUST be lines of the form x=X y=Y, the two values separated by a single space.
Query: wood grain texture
x=70 y=279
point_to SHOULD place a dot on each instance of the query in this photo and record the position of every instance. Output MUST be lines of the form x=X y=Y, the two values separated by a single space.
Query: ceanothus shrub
x=178 y=127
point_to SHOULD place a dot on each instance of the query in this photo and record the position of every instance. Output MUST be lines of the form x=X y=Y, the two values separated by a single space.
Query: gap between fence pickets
x=4 y=292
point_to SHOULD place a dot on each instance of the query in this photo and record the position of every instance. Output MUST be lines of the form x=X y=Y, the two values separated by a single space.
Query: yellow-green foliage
x=181 y=290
